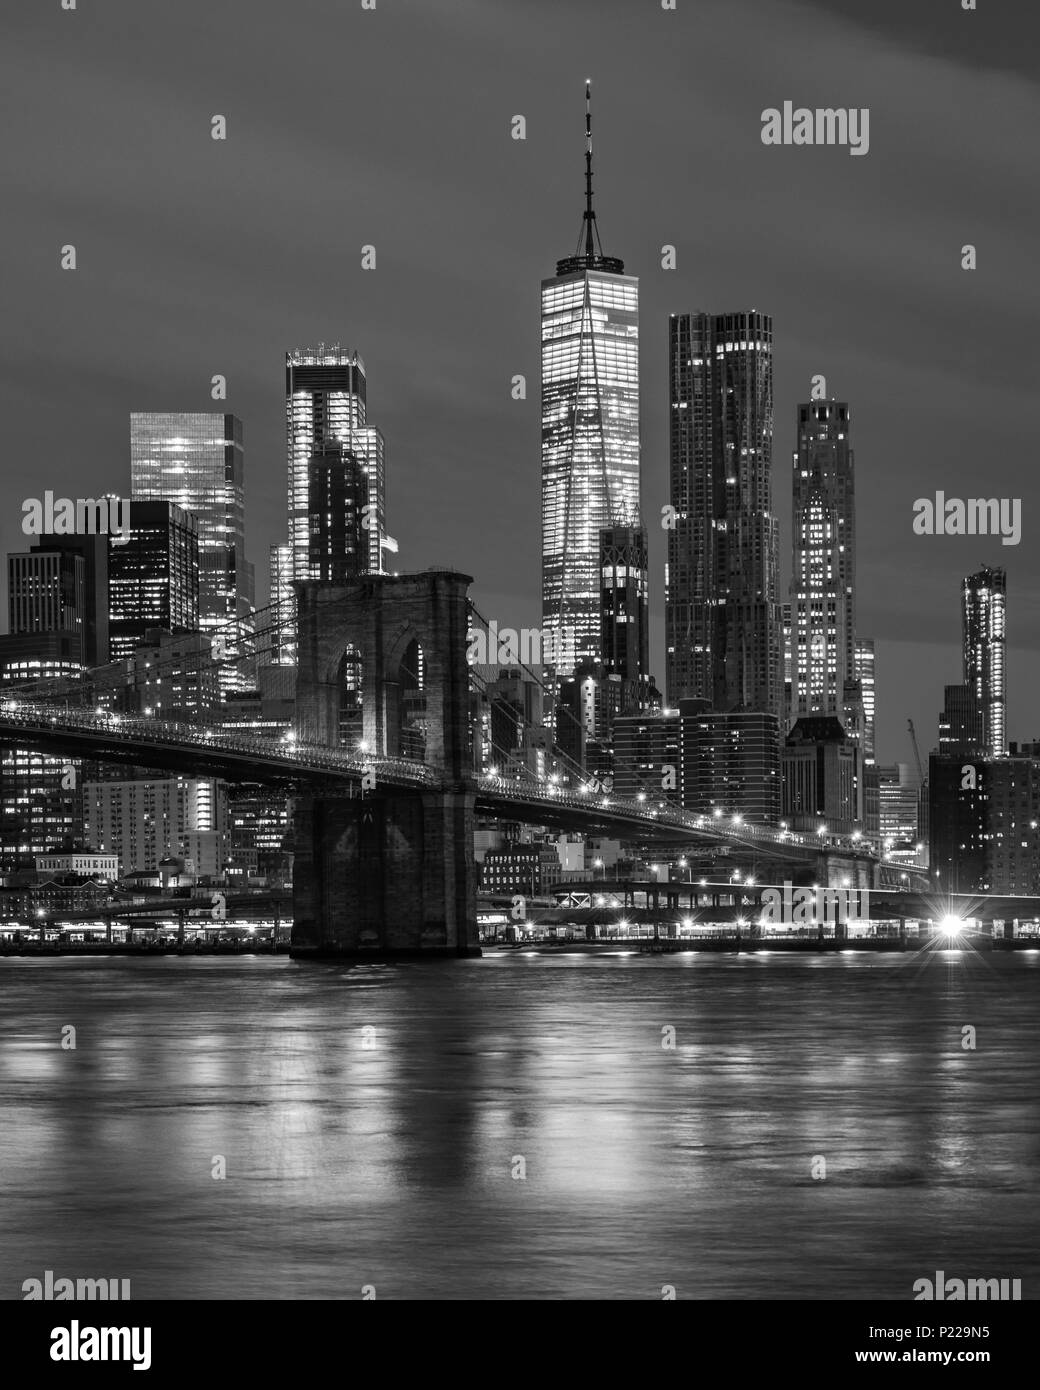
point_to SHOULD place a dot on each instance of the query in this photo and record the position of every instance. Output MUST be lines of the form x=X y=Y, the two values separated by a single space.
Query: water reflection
x=668 y=1116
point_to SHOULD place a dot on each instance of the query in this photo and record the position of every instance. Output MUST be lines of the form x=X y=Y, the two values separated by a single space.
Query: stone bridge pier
x=382 y=872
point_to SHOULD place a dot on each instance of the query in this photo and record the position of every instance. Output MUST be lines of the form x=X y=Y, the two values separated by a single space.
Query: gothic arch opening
x=409 y=708
x=350 y=719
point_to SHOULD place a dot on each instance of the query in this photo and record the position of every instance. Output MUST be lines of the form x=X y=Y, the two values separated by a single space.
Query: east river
x=522 y=1126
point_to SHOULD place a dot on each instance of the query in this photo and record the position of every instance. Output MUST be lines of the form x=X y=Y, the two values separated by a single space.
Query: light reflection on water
x=645 y=1165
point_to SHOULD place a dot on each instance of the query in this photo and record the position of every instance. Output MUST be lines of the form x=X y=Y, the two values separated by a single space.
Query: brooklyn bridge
x=384 y=859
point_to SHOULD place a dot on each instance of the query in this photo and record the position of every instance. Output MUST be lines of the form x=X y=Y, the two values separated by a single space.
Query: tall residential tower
x=823 y=587
x=984 y=604
x=723 y=620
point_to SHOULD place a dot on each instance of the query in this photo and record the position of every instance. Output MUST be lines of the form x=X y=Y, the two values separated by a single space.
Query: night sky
x=392 y=127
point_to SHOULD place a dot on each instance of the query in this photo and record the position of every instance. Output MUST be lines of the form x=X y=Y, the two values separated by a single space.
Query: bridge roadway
x=238 y=756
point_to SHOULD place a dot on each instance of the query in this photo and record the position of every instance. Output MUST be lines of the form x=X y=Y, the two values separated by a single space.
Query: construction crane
x=917 y=753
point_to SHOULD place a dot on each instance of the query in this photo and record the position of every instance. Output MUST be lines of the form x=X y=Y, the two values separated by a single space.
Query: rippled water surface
x=387 y=1157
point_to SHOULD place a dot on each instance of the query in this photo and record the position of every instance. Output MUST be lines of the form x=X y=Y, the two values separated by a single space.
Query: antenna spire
x=590 y=256
x=590 y=216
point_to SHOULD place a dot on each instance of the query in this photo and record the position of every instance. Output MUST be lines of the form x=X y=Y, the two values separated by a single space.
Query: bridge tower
x=386 y=872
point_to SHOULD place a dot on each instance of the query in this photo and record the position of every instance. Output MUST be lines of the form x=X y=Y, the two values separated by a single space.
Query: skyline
x=440 y=363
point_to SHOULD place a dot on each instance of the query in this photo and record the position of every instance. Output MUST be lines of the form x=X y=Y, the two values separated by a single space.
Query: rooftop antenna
x=590 y=216
x=590 y=256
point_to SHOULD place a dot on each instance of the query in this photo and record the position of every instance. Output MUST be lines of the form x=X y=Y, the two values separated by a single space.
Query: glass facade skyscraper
x=196 y=462
x=823 y=586
x=326 y=404
x=866 y=668
x=723 y=621
x=46 y=593
x=153 y=579
x=280 y=646
x=590 y=431
x=326 y=393
x=41 y=806
x=625 y=625
x=338 y=495
x=984 y=596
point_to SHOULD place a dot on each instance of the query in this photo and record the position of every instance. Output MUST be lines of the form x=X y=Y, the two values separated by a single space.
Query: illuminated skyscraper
x=590 y=429
x=45 y=593
x=196 y=462
x=723 y=621
x=985 y=648
x=280 y=646
x=866 y=663
x=823 y=587
x=960 y=723
x=338 y=495
x=153 y=579
x=41 y=806
x=325 y=405
x=625 y=626
x=787 y=647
